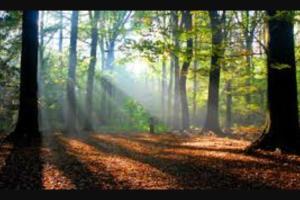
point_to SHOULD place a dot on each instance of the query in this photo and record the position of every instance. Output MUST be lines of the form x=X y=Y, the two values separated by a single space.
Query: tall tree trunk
x=187 y=22
x=91 y=72
x=27 y=123
x=248 y=47
x=176 y=115
x=43 y=110
x=102 y=53
x=71 y=97
x=60 y=113
x=60 y=39
x=163 y=90
x=282 y=129
x=212 y=115
x=170 y=96
x=228 y=88
x=195 y=85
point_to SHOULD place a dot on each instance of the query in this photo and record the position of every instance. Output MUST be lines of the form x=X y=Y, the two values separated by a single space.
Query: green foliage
x=146 y=35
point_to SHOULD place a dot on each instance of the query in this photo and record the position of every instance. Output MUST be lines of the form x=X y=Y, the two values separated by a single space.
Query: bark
x=187 y=22
x=176 y=115
x=91 y=72
x=60 y=40
x=27 y=123
x=212 y=115
x=71 y=97
x=60 y=113
x=102 y=53
x=195 y=86
x=228 y=122
x=282 y=129
x=43 y=110
x=249 y=35
x=163 y=90
x=170 y=93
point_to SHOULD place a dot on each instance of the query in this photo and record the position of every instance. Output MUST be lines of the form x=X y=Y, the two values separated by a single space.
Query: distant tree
x=187 y=23
x=91 y=71
x=228 y=88
x=27 y=123
x=71 y=97
x=282 y=128
x=175 y=60
x=212 y=115
x=60 y=39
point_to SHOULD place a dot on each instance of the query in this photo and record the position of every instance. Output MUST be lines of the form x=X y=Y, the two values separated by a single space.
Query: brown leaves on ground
x=145 y=161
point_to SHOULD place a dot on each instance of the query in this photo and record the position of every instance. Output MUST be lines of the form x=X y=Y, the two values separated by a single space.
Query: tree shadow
x=177 y=145
x=277 y=161
x=77 y=172
x=188 y=175
x=23 y=166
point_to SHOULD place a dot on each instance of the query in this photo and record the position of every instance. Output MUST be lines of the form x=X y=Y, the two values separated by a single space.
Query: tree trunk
x=91 y=72
x=228 y=122
x=27 y=123
x=282 y=129
x=176 y=115
x=163 y=90
x=248 y=46
x=60 y=40
x=187 y=21
x=60 y=114
x=43 y=110
x=170 y=94
x=212 y=115
x=71 y=97
x=195 y=86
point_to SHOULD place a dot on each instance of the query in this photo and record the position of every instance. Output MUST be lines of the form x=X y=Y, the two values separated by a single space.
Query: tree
x=195 y=82
x=228 y=89
x=187 y=22
x=212 y=114
x=60 y=39
x=113 y=27
x=91 y=71
x=175 y=59
x=71 y=98
x=282 y=129
x=27 y=123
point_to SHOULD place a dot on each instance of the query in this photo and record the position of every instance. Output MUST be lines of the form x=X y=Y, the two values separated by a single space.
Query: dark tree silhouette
x=71 y=97
x=228 y=122
x=91 y=72
x=27 y=123
x=212 y=115
x=175 y=60
x=187 y=23
x=282 y=129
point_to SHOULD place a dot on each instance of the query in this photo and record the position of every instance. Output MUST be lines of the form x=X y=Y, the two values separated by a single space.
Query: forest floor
x=145 y=161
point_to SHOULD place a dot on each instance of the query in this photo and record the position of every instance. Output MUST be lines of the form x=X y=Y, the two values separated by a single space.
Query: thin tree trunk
x=195 y=86
x=170 y=96
x=91 y=72
x=163 y=90
x=60 y=113
x=248 y=46
x=176 y=115
x=228 y=122
x=212 y=115
x=187 y=21
x=71 y=97
x=60 y=40
x=43 y=110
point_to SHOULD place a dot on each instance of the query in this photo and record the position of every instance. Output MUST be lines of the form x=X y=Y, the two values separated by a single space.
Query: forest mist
x=138 y=59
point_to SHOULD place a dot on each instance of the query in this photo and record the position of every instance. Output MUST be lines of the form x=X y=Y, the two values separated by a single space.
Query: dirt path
x=144 y=161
